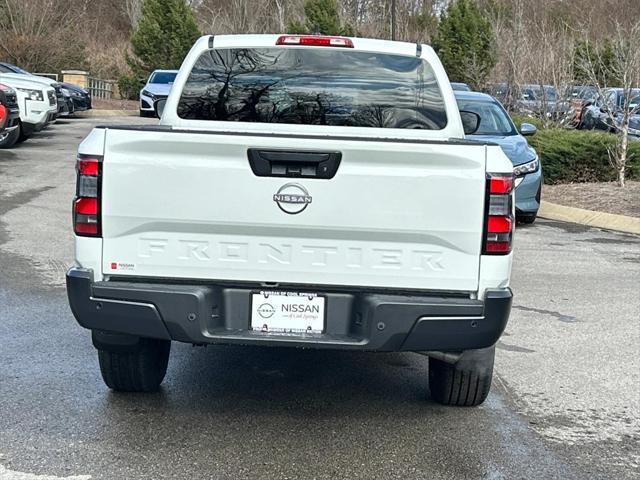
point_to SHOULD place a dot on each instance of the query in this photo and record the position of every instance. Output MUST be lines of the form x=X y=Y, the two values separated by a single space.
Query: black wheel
x=140 y=369
x=8 y=140
x=465 y=383
x=527 y=219
x=23 y=133
x=144 y=113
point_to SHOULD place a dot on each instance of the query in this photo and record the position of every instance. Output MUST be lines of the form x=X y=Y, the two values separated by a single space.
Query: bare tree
x=34 y=33
x=247 y=16
x=622 y=64
x=132 y=9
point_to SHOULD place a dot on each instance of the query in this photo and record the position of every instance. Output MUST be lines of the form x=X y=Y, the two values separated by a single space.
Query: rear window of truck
x=313 y=86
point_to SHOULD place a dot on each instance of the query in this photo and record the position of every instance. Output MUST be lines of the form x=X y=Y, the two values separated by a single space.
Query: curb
x=107 y=113
x=609 y=221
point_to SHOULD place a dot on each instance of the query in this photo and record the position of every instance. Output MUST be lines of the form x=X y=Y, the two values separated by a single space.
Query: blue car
x=496 y=126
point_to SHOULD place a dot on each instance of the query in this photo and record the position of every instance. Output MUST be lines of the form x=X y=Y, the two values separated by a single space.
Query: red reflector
x=87 y=206
x=500 y=185
x=3 y=114
x=498 y=247
x=315 y=41
x=86 y=228
x=88 y=166
x=499 y=224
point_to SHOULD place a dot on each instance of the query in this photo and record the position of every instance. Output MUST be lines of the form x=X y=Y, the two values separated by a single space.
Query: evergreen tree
x=597 y=60
x=164 y=35
x=465 y=43
x=321 y=16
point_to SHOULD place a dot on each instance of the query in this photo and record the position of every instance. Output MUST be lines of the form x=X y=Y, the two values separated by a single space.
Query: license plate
x=287 y=312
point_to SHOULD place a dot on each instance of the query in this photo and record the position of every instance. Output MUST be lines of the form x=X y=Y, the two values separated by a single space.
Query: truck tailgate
x=397 y=214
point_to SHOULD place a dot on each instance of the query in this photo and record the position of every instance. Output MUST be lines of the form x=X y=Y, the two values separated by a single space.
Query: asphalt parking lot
x=565 y=402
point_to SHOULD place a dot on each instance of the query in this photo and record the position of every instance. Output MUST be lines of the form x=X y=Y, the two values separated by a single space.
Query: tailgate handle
x=293 y=163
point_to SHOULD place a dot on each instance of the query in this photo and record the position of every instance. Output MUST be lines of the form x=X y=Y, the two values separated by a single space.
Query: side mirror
x=470 y=122
x=526 y=129
x=158 y=107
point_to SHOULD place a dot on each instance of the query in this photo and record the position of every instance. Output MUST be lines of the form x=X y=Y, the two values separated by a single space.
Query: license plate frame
x=287 y=312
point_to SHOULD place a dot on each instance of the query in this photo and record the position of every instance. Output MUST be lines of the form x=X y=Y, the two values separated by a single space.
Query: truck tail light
x=86 y=205
x=314 y=41
x=499 y=221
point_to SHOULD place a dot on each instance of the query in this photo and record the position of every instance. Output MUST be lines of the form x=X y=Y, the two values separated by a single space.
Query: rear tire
x=465 y=383
x=140 y=369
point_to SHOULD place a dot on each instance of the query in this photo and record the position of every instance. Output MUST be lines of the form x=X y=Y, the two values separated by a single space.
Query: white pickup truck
x=299 y=191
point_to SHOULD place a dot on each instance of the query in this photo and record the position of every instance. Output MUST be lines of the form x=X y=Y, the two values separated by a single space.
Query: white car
x=299 y=191
x=37 y=102
x=157 y=88
x=63 y=96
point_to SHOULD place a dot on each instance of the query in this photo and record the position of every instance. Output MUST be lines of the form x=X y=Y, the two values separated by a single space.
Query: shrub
x=570 y=156
x=129 y=87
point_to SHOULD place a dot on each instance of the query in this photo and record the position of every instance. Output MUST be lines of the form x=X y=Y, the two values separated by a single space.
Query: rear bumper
x=216 y=313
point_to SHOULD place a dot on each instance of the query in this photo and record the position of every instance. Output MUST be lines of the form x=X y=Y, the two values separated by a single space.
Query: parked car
x=9 y=116
x=463 y=87
x=583 y=92
x=65 y=106
x=37 y=102
x=541 y=101
x=579 y=97
x=157 y=87
x=323 y=195
x=610 y=104
x=498 y=90
x=496 y=126
x=81 y=98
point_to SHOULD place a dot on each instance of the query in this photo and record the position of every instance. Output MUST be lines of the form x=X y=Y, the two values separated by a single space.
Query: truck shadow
x=275 y=381
x=284 y=379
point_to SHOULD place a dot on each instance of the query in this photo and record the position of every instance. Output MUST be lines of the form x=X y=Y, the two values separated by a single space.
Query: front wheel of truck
x=466 y=382
x=139 y=369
